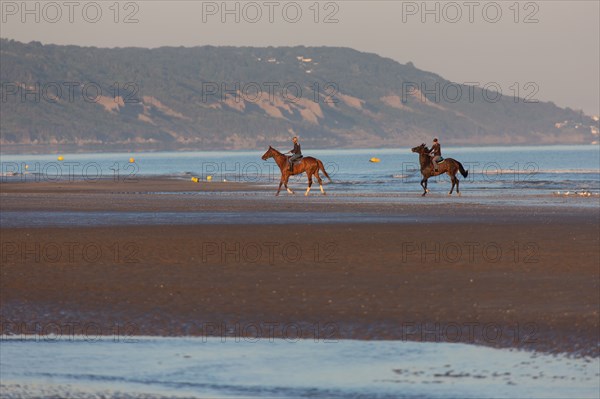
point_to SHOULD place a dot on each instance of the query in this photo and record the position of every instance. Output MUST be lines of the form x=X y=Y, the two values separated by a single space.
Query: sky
x=543 y=50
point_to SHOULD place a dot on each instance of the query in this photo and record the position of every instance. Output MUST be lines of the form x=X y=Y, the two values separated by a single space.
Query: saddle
x=296 y=161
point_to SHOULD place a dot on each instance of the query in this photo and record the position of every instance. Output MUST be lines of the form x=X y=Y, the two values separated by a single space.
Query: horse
x=449 y=166
x=310 y=165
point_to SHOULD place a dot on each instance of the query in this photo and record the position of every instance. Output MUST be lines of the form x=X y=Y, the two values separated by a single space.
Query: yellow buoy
x=131 y=160
x=375 y=160
x=61 y=158
x=208 y=178
x=195 y=179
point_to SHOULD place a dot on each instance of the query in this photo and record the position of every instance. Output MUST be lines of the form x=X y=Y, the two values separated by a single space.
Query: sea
x=564 y=170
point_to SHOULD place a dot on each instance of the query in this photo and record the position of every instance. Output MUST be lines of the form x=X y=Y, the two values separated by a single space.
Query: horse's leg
x=309 y=183
x=279 y=188
x=424 y=185
x=285 y=182
x=320 y=181
x=457 y=184
x=453 y=179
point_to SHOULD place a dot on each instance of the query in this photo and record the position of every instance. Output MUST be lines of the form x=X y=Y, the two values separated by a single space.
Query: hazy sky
x=553 y=44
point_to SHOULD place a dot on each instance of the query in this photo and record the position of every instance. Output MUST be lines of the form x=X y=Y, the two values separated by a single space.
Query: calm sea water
x=277 y=368
x=530 y=170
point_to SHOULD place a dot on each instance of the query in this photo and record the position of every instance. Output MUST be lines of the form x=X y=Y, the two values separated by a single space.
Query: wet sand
x=49 y=390
x=433 y=270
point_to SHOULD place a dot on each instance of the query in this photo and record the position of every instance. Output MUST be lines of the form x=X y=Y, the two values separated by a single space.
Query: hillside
x=93 y=99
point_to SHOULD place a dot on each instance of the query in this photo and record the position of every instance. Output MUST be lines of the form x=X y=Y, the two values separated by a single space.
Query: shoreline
x=171 y=193
x=19 y=149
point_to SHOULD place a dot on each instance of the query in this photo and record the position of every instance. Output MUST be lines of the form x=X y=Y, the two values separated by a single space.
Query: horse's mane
x=423 y=149
x=276 y=150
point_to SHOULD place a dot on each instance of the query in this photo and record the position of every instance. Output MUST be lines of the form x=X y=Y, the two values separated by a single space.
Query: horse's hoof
x=324 y=193
x=459 y=194
x=422 y=195
x=427 y=190
x=449 y=193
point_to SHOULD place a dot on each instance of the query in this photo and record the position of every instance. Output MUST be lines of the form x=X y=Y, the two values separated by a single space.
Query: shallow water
x=244 y=367
x=492 y=170
x=67 y=219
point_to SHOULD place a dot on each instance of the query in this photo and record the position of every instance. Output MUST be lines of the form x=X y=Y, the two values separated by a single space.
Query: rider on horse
x=435 y=153
x=296 y=153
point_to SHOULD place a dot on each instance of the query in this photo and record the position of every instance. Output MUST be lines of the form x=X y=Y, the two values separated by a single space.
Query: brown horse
x=449 y=166
x=309 y=165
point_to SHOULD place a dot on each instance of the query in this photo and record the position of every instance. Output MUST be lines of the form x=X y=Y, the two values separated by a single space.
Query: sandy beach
x=435 y=269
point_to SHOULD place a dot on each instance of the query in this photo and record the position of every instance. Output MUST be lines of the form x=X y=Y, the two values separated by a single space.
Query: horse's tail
x=322 y=169
x=462 y=170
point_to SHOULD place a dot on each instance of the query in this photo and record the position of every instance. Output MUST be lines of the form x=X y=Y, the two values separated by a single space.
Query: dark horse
x=309 y=165
x=449 y=166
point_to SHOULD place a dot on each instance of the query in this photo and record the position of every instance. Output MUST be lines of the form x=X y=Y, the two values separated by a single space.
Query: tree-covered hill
x=94 y=99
